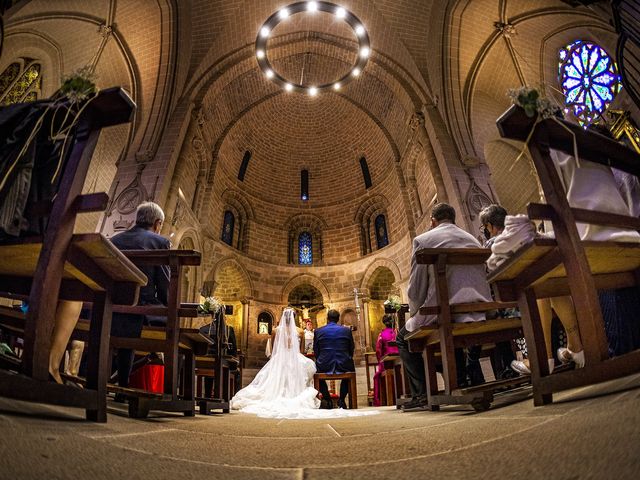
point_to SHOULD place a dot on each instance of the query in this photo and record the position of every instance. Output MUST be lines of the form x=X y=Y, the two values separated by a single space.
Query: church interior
x=300 y=147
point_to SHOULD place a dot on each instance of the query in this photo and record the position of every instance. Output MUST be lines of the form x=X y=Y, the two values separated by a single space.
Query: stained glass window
x=305 y=255
x=227 y=227
x=589 y=80
x=20 y=82
x=382 y=238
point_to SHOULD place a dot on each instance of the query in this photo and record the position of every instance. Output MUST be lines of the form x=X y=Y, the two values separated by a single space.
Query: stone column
x=367 y=327
x=245 y=325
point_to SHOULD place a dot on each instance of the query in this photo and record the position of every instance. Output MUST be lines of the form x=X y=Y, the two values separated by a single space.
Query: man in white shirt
x=467 y=283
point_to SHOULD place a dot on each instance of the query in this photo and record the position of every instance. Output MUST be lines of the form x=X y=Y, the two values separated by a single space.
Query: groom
x=333 y=346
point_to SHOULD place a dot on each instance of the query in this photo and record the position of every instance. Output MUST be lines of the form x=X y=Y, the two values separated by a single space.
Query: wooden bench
x=392 y=382
x=171 y=340
x=224 y=386
x=351 y=376
x=58 y=264
x=567 y=265
x=445 y=336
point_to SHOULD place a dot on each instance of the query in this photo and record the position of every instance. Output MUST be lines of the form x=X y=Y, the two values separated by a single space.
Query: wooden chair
x=566 y=265
x=445 y=336
x=370 y=364
x=60 y=265
x=392 y=380
x=351 y=376
x=172 y=340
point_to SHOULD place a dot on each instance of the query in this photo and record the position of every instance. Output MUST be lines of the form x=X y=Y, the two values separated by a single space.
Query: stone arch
x=304 y=222
x=374 y=266
x=365 y=217
x=230 y=270
x=302 y=279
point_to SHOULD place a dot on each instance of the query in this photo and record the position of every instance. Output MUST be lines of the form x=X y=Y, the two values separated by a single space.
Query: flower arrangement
x=532 y=103
x=79 y=85
x=393 y=301
x=210 y=305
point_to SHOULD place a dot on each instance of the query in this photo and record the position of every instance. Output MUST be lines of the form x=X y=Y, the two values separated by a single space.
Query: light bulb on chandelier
x=268 y=27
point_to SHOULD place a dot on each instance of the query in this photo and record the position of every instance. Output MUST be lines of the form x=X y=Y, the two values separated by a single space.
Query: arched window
x=244 y=165
x=227 y=227
x=365 y=172
x=589 y=80
x=20 y=82
x=382 y=239
x=265 y=323
x=305 y=255
x=304 y=185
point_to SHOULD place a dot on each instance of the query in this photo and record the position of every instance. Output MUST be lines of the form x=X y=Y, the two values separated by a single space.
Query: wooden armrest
x=541 y=211
x=86 y=203
x=515 y=124
x=455 y=256
x=155 y=310
x=163 y=257
x=459 y=308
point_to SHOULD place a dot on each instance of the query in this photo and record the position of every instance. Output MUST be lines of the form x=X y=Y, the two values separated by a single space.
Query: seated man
x=333 y=346
x=144 y=235
x=467 y=283
x=492 y=225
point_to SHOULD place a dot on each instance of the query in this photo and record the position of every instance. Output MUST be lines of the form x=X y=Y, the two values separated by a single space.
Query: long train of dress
x=283 y=388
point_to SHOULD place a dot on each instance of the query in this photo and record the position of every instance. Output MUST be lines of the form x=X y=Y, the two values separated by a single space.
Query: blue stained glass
x=570 y=83
x=227 y=227
x=572 y=72
x=382 y=239
x=589 y=80
x=305 y=252
x=593 y=60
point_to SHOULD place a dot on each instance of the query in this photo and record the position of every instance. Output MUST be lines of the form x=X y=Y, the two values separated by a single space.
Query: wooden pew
x=58 y=264
x=171 y=340
x=444 y=336
x=567 y=265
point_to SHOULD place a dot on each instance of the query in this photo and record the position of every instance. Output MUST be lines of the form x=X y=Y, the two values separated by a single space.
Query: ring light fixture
x=364 y=46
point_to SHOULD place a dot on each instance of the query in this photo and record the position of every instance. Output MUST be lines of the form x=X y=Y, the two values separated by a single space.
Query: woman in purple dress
x=387 y=335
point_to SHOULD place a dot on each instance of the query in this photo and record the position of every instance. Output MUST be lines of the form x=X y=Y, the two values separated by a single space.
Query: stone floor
x=592 y=432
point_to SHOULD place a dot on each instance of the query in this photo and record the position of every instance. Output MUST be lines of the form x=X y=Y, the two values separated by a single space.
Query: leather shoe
x=342 y=404
x=415 y=403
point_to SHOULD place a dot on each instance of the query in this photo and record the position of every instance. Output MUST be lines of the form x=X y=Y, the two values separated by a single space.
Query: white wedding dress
x=283 y=388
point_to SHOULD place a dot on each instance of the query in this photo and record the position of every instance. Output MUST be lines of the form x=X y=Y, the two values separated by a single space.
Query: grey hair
x=148 y=213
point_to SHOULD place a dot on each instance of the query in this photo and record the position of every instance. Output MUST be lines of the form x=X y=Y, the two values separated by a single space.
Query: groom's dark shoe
x=326 y=404
x=342 y=404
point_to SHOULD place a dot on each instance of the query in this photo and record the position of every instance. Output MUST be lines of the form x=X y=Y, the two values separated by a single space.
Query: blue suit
x=333 y=347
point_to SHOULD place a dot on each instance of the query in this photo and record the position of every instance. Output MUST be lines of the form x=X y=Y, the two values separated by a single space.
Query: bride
x=283 y=388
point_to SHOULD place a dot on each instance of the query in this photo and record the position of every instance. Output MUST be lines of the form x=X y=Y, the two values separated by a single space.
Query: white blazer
x=467 y=283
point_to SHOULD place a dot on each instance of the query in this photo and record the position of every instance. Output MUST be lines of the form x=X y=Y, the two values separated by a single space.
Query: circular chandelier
x=364 y=47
